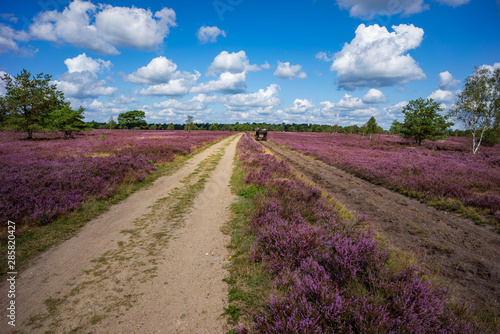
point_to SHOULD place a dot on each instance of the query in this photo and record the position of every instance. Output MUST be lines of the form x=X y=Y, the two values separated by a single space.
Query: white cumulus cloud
x=83 y=63
x=159 y=70
x=227 y=83
x=348 y=106
x=300 y=106
x=350 y=103
x=103 y=28
x=377 y=57
x=446 y=81
x=235 y=62
x=394 y=111
x=209 y=34
x=233 y=68
x=164 y=79
x=81 y=81
x=174 y=87
x=174 y=109
x=114 y=107
x=262 y=99
x=83 y=85
x=442 y=96
x=287 y=71
x=374 y=96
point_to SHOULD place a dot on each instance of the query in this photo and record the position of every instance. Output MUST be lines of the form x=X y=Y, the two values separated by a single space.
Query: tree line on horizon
x=32 y=104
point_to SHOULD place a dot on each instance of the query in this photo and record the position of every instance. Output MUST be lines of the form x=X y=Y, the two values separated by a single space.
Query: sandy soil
x=465 y=256
x=145 y=266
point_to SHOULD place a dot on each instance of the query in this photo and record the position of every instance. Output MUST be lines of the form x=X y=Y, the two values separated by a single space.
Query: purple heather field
x=46 y=178
x=331 y=275
x=439 y=170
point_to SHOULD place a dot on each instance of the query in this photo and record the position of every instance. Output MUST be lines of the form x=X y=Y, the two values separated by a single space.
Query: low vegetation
x=43 y=180
x=330 y=274
x=443 y=173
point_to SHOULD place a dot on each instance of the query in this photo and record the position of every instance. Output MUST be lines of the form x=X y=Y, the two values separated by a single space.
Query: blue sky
x=226 y=61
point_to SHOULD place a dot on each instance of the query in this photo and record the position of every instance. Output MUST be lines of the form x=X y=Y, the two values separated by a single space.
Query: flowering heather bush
x=331 y=276
x=44 y=179
x=437 y=170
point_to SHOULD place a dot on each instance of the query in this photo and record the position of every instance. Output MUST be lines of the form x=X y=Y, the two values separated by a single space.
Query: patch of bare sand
x=188 y=294
x=125 y=273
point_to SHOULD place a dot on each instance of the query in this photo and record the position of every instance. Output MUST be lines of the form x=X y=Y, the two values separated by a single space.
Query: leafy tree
x=68 y=120
x=362 y=130
x=153 y=127
x=94 y=125
x=170 y=126
x=423 y=121
x=491 y=136
x=28 y=101
x=371 y=126
x=478 y=105
x=353 y=129
x=227 y=127
x=189 y=124
x=396 y=127
x=3 y=113
x=213 y=127
x=315 y=128
x=111 y=124
x=132 y=119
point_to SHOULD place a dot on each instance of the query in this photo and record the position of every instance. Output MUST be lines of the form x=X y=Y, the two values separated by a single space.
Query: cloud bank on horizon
x=171 y=61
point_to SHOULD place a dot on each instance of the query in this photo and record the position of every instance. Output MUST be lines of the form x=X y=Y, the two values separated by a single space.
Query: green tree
x=3 y=113
x=213 y=127
x=189 y=124
x=111 y=124
x=362 y=130
x=94 y=125
x=396 y=127
x=478 y=105
x=153 y=127
x=68 y=120
x=371 y=127
x=170 y=126
x=28 y=101
x=492 y=136
x=133 y=119
x=423 y=121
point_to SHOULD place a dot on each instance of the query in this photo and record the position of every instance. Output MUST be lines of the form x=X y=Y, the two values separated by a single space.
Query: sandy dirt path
x=151 y=264
x=464 y=256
